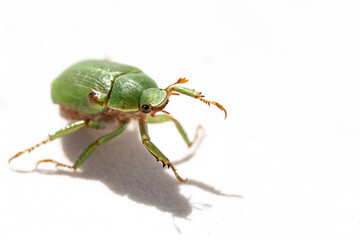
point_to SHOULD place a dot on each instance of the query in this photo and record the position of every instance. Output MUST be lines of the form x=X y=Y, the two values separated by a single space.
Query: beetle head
x=153 y=100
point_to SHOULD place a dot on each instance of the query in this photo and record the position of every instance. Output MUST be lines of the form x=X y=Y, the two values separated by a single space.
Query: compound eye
x=145 y=108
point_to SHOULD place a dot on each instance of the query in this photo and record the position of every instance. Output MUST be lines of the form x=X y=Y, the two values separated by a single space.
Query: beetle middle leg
x=89 y=149
x=165 y=118
x=154 y=150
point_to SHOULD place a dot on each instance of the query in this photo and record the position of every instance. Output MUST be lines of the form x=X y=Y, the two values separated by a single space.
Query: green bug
x=99 y=93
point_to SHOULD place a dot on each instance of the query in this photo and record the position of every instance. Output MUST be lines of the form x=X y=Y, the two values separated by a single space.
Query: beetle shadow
x=127 y=168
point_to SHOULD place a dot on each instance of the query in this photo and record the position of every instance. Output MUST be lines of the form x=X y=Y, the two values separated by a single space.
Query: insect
x=99 y=93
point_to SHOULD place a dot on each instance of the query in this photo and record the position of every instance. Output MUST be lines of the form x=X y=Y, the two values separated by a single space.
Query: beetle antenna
x=181 y=80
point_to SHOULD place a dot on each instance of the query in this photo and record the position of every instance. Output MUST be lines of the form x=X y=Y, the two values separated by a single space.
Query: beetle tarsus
x=199 y=127
x=57 y=164
x=214 y=103
x=29 y=149
x=177 y=175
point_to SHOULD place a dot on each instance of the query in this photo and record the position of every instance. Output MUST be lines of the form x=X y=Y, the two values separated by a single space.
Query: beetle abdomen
x=110 y=116
x=85 y=86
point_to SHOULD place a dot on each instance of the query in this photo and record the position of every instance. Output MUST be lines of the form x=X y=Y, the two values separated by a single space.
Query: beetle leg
x=52 y=161
x=154 y=150
x=165 y=118
x=62 y=132
x=192 y=93
x=89 y=149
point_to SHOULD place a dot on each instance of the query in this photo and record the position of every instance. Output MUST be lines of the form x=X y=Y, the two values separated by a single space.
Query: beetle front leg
x=165 y=118
x=192 y=93
x=155 y=151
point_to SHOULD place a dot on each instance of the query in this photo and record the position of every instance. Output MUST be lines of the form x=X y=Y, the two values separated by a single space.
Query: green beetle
x=99 y=93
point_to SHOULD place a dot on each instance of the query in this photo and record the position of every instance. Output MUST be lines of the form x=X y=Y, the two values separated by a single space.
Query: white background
x=285 y=164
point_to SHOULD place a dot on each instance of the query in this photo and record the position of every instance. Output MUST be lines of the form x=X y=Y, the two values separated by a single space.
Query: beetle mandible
x=98 y=93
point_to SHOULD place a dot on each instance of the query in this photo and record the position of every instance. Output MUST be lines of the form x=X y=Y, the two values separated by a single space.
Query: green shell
x=86 y=86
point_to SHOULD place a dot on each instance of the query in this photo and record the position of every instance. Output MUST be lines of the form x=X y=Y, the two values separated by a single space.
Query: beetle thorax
x=126 y=91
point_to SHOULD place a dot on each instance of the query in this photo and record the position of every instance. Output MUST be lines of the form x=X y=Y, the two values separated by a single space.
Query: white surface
x=287 y=72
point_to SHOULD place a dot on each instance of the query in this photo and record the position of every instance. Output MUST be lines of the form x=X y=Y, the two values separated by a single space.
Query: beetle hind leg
x=73 y=127
x=62 y=132
x=88 y=150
